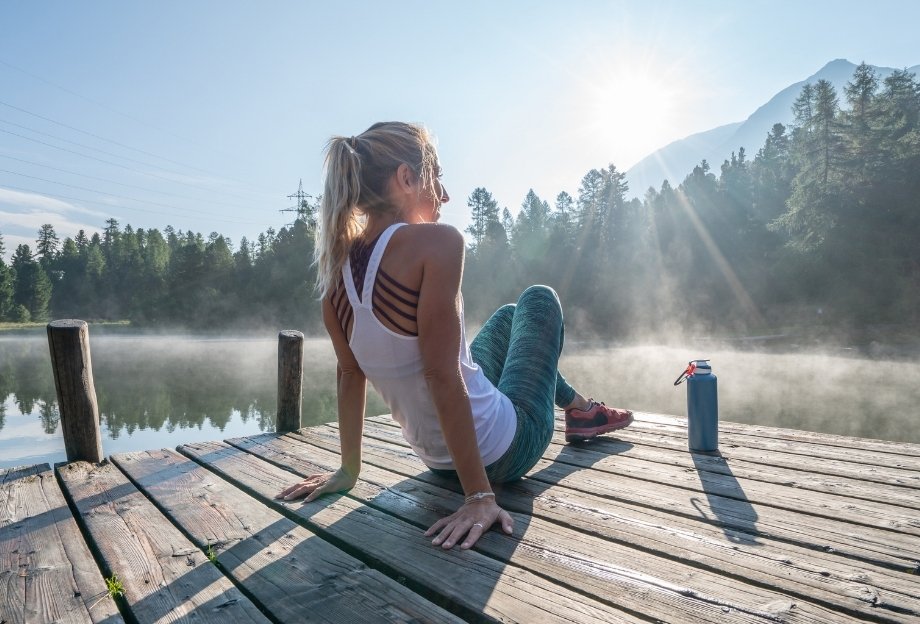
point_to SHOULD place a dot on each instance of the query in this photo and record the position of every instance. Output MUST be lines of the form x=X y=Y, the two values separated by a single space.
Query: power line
x=96 y=149
x=108 y=108
x=83 y=188
x=134 y=186
x=102 y=138
x=91 y=101
x=84 y=146
x=95 y=203
x=102 y=160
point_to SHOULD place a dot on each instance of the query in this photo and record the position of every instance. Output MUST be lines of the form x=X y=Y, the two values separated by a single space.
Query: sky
x=206 y=114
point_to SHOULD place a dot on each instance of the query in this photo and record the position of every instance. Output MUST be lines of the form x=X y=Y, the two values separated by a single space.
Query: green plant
x=115 y=587
x=211 y=555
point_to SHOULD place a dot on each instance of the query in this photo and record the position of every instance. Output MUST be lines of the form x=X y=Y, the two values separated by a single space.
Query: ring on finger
x=479 y=524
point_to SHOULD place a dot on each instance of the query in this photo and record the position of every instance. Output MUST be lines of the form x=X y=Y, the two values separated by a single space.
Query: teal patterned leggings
x=518 y=350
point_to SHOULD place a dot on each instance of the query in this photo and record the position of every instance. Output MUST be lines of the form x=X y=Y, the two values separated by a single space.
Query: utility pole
x=306 y=211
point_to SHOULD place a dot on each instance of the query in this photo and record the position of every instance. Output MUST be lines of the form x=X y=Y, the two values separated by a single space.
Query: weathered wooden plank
x=794 y=435
x=476 y=586
x=864 y=543
x=676 y=455
x=657 y=585
x=47 y=573
x=724 y=548
x=165 y=577
x=290 y=571
x=906 y=522
x=716 y=473
x=729 y=439
x=907 y=481
x=803 y=464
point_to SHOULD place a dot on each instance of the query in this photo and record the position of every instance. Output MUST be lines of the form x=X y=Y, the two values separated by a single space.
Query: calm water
x=160 y=391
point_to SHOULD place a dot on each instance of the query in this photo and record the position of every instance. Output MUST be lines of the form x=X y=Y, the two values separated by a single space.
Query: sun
x=634 y=100
x=633 y=110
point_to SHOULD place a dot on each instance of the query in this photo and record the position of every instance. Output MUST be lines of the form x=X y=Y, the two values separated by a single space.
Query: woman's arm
x=439 y=340
x=351 y=391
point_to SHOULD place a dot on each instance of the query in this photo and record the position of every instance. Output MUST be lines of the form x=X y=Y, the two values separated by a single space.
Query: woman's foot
x=594 y=419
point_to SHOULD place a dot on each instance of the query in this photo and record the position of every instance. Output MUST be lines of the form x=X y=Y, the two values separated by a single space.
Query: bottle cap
x=694 y=367
x=702 y=367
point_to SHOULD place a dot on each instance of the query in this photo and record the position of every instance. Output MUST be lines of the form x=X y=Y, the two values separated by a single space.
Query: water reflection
x=160 y=391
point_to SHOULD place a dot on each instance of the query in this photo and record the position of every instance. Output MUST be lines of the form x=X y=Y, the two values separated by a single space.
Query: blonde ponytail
x=339 y=222
x=357 y=174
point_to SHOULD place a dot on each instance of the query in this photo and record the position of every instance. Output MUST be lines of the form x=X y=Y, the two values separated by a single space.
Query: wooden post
x=68 y=340
x=290 y=380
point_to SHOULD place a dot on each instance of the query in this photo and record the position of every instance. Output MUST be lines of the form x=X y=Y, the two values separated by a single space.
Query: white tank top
x=393 y=364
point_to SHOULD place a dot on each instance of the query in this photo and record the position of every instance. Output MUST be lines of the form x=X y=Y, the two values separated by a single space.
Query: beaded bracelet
x=477 y=496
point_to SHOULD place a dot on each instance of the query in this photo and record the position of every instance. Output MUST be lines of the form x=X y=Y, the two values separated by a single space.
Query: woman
x=390 y=279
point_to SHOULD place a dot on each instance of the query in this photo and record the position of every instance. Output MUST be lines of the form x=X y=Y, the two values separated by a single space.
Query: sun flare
x=633 y=109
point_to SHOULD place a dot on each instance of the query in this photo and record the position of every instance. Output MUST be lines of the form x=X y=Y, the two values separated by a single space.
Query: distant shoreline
x=876 y=342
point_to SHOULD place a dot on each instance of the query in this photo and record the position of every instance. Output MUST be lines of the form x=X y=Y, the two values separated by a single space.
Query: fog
x=845 y=394
x=162 y=390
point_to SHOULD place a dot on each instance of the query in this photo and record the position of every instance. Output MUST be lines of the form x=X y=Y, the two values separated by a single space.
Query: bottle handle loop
x=691 y=367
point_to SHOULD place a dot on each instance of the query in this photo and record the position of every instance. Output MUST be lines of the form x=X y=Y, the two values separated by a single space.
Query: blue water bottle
x=702 y=406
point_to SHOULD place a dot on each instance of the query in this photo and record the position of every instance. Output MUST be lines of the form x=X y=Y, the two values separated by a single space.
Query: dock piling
x=290 y=380
x=68 y=340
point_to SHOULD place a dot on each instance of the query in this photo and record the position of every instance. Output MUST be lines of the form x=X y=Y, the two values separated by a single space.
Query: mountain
x=676 y=160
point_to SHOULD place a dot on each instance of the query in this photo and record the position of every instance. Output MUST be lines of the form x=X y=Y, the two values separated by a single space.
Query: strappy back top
x=393 y=364
x=394 y=304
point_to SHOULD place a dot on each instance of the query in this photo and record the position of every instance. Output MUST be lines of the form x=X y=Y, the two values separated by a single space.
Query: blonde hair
x=358 y=170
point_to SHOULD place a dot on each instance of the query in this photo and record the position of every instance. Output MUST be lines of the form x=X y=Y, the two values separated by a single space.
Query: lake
x=159 y=391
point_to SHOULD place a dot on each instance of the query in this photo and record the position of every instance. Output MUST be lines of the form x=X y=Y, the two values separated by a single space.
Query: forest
x=818 y=229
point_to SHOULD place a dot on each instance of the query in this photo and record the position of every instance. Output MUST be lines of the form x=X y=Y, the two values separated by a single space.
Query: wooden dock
x=784 y=526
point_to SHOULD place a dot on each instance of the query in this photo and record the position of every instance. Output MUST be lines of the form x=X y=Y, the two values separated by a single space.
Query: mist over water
x=159 y=391
x=825 y=392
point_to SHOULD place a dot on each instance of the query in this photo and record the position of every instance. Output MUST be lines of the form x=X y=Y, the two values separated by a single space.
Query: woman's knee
x=502 y=317
x=506 y=310
x=540 y=295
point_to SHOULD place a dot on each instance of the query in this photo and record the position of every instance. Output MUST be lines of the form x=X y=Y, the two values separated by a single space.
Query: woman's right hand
x=316 y=485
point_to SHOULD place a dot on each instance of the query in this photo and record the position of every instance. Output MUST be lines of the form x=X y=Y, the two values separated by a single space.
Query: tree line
x=164 y=279
x=819 y=227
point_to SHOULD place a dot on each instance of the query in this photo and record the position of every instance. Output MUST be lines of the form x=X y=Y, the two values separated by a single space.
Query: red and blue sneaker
x=597 y=419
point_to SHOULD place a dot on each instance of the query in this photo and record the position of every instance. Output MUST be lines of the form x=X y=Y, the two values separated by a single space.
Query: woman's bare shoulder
x=434 y=240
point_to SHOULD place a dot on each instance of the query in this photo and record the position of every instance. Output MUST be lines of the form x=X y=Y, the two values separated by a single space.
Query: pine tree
x=6 y=288
x=612 y=211
x=562 y=215
x=484 y=212
x=590 y=198
x=531 y=219
x=47 y=245
x=803 y=107
x=827 y=128
x=819 y=152
x=81 y=240
x=64 y=297
x=32 y=288
x=507 y=221
x=860 y=92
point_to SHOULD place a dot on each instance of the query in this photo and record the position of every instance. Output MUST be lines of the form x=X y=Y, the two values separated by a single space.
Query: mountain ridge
x=676 y=160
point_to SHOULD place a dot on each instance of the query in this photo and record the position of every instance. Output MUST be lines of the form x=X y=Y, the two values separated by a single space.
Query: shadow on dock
x=726 y=498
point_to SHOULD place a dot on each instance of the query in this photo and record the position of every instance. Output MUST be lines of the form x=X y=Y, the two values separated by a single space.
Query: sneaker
x=597 y=419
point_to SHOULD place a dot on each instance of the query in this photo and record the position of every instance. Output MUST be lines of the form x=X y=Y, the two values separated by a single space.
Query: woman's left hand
x=471 y=520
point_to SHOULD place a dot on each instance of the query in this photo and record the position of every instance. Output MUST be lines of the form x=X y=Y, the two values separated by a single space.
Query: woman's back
x=393 y=362
x=398 y=282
